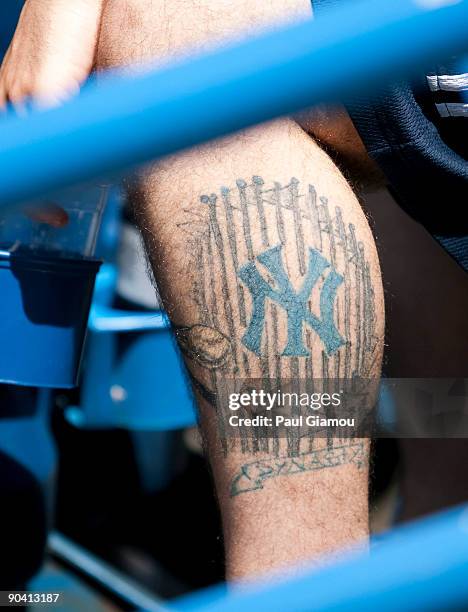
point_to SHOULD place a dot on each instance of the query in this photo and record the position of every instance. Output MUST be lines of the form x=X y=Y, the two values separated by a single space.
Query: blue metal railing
x=129 y=120
x=422 y=566
x=125 y=121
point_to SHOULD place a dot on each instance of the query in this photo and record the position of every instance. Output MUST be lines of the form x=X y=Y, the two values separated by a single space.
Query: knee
x=135 y=31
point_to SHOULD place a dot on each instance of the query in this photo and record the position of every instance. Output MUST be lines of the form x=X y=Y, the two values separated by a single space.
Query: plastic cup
x=83 y=206
x=47 y=277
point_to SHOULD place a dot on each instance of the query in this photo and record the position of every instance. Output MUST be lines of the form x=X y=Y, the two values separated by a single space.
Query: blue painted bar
x=129 y=120
x=422 y=566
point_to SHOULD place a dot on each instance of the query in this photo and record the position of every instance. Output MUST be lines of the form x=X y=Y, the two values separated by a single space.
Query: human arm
x=52 y=51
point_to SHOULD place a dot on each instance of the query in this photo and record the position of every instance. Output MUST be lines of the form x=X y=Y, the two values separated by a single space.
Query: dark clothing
x=417 y=132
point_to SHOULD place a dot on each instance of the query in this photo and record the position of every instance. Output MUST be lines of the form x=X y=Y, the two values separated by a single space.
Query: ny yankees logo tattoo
x=282 y=289
x=295 y=304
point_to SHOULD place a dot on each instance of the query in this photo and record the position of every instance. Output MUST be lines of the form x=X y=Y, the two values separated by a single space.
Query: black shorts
x=417 y=133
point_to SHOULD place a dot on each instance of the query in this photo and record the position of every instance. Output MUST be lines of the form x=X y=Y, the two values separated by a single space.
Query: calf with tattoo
x=268 y=270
